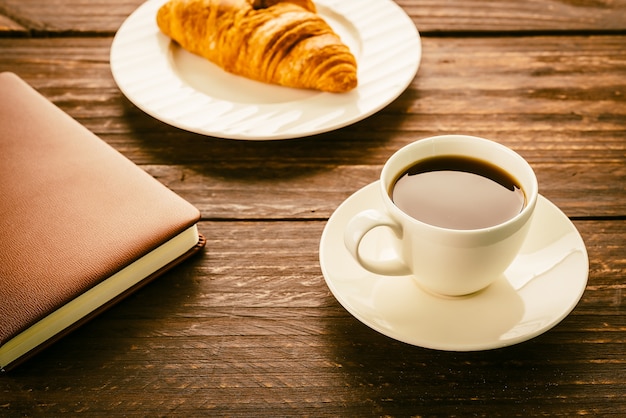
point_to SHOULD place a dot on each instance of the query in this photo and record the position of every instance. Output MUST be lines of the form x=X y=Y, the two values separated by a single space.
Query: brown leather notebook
x=81 y=226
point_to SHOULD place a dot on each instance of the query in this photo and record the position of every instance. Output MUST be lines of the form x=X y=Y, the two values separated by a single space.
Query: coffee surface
x=458 y=192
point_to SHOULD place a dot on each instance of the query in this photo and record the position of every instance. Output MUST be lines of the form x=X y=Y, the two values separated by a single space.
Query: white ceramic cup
x=445 y=261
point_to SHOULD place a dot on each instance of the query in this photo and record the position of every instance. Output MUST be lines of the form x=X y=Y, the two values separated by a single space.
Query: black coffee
x=458 y=193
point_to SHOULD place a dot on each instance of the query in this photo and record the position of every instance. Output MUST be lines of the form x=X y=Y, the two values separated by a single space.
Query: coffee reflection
x=457 y=192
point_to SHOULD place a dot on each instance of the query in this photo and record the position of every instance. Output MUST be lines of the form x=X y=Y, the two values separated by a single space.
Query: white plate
x=191 y=93
x=540 y=288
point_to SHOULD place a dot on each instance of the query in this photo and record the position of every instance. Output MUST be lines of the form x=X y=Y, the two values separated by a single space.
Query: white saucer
x=542 y=286
x=191 y=93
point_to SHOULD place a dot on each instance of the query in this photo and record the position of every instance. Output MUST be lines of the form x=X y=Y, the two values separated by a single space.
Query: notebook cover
x=73 y=210
x=195 y=249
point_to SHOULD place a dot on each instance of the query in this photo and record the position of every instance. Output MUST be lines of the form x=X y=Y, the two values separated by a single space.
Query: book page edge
x=64 y=317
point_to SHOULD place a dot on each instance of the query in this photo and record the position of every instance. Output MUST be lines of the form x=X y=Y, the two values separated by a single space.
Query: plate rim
x=454 y=347
x=126 y=38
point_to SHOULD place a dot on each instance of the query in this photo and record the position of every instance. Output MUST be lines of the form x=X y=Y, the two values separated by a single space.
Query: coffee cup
x=460 y=208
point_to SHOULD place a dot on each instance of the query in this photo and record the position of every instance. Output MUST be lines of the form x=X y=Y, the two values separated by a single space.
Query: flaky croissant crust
x=274 y=41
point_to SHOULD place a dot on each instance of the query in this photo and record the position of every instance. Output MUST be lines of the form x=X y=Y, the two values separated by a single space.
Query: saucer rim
x=455 y=347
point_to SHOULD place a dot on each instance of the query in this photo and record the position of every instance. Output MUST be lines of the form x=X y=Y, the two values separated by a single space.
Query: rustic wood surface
x=250 y=328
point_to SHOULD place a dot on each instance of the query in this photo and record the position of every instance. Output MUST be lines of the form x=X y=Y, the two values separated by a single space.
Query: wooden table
x=250 y=327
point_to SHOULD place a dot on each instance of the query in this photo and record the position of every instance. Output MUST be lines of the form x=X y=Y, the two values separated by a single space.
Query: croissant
x=274 y=41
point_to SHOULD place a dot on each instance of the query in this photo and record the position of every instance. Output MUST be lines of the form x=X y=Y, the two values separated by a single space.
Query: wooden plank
x=563 y=107
x=60 y=17
x=9 y=27
x=250 y=327
x=550 y=98
x=431 y=17
x=248 y=191
x=484 y=16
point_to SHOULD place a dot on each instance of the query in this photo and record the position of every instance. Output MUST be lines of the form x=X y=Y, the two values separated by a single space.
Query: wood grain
x=71 y=17
x=562 y=105
x=249 y=328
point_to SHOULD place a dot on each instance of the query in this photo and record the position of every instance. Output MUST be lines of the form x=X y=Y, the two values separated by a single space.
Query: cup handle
x=356 y=230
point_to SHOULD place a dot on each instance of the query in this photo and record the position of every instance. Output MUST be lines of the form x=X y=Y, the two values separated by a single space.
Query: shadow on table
x=120 y=336
x=399 y=379
x=356 y=144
